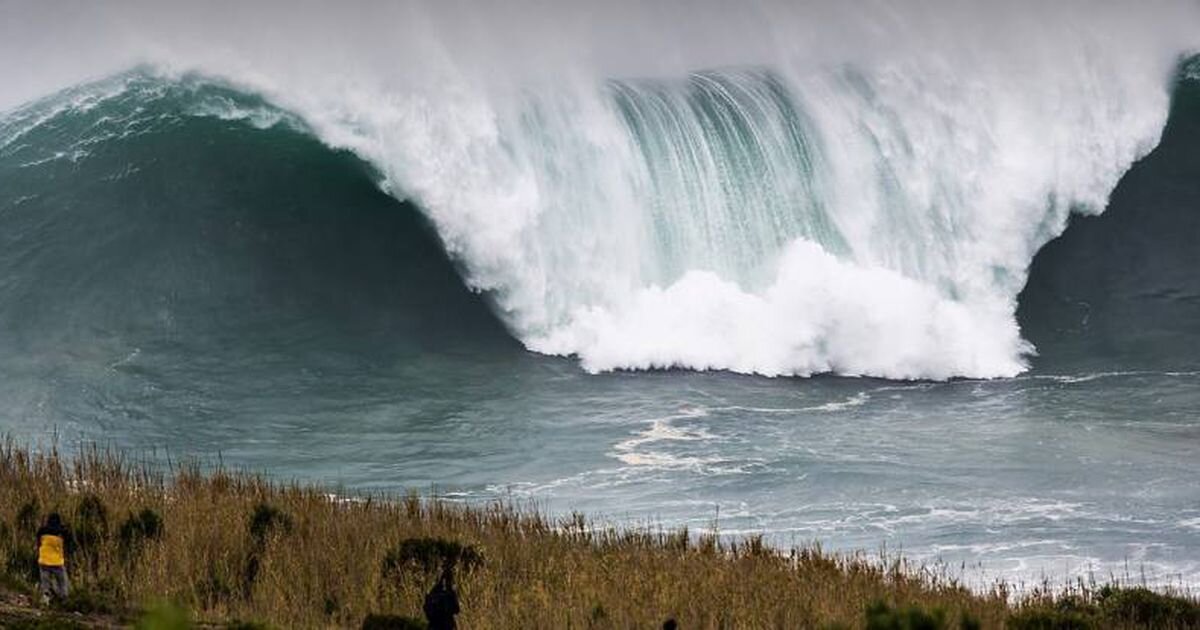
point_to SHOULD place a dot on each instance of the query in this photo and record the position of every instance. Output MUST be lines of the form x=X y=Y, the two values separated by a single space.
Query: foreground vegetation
x=238 y=551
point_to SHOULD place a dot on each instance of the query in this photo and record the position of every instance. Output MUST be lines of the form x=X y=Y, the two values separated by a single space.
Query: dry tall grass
x=309 y=560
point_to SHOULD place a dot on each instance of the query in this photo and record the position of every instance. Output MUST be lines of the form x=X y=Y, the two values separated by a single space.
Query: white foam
x=632 y=452
x=820 y=315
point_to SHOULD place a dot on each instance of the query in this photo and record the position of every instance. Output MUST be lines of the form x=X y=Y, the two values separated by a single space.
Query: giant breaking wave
x=781 y=206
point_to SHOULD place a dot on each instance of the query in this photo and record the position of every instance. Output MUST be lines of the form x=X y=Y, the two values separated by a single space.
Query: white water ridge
x=775 y=190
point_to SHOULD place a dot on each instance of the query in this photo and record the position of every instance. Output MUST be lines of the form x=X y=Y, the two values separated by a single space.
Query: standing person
x=441 y=604
x=53 y=540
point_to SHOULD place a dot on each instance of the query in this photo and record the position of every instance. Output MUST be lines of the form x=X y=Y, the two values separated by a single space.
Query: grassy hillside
x=231 y=547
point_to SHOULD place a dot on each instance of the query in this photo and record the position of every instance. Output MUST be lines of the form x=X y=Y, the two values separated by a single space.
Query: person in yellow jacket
x=53 y=544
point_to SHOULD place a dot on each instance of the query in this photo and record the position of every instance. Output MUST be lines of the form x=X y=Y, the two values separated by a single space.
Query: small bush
x=138 y=529
x=91 y=513
x=881 y=616
x=429 y=555
x=213 y=588
x=28 y=518
x=1144 y=607
x=1049 y=618
x=91 y=526
x=392 y=622
x=266 y=520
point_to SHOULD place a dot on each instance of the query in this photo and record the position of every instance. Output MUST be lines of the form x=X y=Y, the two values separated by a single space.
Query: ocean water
x=934 y=291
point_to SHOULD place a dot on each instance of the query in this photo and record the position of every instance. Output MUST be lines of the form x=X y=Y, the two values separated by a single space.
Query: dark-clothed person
x=53 y=542
x=441 y=604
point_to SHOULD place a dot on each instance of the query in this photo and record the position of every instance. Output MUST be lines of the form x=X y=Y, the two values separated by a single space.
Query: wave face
x=1121 y=288
x=784 y=202
x=201 y=233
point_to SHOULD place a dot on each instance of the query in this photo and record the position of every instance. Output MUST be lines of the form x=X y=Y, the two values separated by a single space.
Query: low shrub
x=28 y=518
x=268 y=519
x=429 y=555
x=91 y=522
x=138 y=529
x=881 y=616
x=213 y=587
x=1144 y=607
x=1049 y=618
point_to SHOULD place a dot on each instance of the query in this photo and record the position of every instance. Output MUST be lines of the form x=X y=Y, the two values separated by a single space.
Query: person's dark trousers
x=53 y=582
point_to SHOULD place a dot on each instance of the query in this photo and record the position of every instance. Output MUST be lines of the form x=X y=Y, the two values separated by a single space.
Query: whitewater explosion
x=784 y=191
